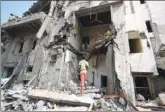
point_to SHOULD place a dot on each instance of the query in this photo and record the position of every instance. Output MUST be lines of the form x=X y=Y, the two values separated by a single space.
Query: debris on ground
x=151 y=105
x=20 y=98
x=59 y=97
x=161 y=98
x=140 y=97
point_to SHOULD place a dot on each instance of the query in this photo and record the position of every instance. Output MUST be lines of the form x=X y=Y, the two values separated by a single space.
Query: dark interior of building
x=142 y=87
x=90 y=25
x=8 y=71
x=96 y=19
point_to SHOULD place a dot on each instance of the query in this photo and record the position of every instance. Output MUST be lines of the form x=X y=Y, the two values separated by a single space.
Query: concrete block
x=162 y=98
x=60 y=97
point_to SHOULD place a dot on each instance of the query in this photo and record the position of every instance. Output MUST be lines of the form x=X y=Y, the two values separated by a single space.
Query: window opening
x=135 y=45
x=148 y=24
x=29 y=69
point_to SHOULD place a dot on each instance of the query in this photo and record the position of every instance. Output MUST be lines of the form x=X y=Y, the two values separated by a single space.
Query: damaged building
x=43 y=48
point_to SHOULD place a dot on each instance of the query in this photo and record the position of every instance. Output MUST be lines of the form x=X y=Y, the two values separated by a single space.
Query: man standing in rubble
x=83 y=66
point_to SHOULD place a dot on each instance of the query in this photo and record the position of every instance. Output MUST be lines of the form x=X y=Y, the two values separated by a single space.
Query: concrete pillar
x=110 y=69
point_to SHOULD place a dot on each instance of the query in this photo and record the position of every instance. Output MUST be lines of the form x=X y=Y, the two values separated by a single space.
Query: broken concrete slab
x=162 y=98
x=122 y=101
x=44 y=108
x=27 y=107
x=140 y=97
x=4 y=81
x=40 y=104
x=34 y=17
x=19 y=96
x=143 y=109
x=49 y=105
x=60 y=97
x=94 y=95
x=9 y=104
x=88 y=91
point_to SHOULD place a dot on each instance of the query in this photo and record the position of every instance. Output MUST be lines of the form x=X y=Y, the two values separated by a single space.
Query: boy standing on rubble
x=83 y=66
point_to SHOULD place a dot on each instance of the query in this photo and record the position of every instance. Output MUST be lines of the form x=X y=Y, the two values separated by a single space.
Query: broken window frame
x=148 y=82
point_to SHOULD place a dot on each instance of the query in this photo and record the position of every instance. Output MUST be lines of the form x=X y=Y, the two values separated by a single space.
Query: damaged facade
x=42 y=49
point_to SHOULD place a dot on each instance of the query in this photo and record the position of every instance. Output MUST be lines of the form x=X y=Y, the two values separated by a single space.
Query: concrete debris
x=23 y=99
x=162 y=98
x=42 y=50
x=43 y=100
x=140 y=97
x=4 y=80
x=153 y=105
x=122 y=101
x=49 y=105
x=94 y=95
x=147 y=103
x=143 y=109
x=88 y=91
x=40 y=104
x=106 y=105
x=27 y=107
x=59 y=97
x=72 y=109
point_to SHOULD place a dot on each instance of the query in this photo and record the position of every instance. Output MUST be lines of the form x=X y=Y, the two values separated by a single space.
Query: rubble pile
x=17 y=98
x=107 y=105
x=21 y=98
x=14 y=97
x=151 y=105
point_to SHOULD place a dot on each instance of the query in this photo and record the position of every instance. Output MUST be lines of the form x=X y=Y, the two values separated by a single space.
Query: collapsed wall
x=51 y=76
x=55 y=35
x=56 y=45
x=65 y=24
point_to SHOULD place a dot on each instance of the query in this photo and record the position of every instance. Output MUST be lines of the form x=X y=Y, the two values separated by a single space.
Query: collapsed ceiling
x=96 y=19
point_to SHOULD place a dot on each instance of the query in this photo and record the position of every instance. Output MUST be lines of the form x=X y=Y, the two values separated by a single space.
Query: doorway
x=103 y=81
x=142 y=86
